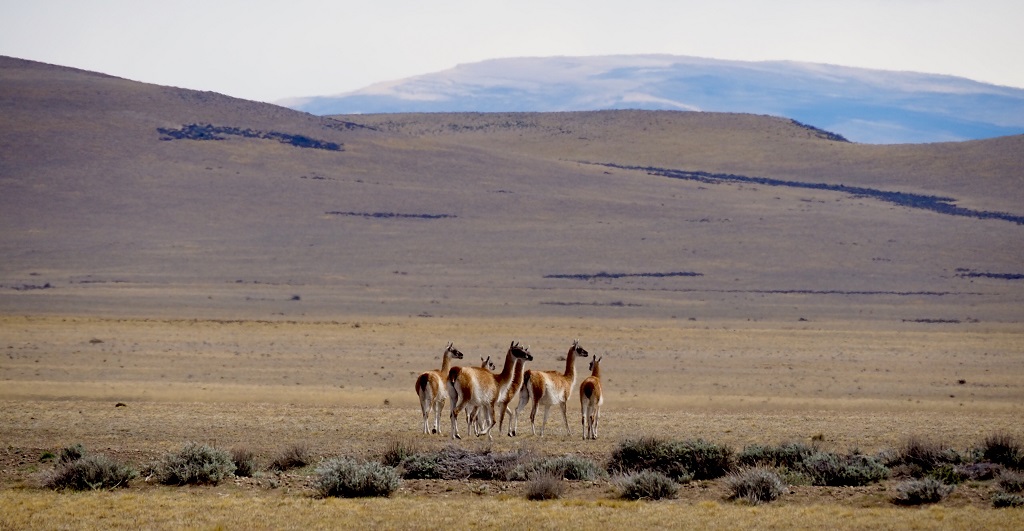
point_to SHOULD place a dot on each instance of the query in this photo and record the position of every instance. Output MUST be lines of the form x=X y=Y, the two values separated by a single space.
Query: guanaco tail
x=430 y=389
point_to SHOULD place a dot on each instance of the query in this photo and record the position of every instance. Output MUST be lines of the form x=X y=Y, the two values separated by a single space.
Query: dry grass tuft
x=293 y=456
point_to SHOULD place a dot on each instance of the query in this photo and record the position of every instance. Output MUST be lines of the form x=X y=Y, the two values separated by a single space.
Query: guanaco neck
x=517 y=378
x=596 y=371
x=446 y=363
x=506 y=370
x=570 y=363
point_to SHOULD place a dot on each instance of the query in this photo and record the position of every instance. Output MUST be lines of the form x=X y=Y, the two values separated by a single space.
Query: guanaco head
x=453 y=352
x=595 y=362
x=580 y=351
x=520 y=352
x=486 y=363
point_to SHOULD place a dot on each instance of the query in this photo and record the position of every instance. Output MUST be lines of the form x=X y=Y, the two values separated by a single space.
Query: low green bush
x=648 y=485
x=570 y=467
x=90 y=472
x=454 y=462
x=195 y=464
x=1011 y=481
x=834 y=470
x=786 y=455
x=921 y=491
x=680 y=460
x=1005 y=499
x=755 y=485
x=349 y=478
x=918 y=457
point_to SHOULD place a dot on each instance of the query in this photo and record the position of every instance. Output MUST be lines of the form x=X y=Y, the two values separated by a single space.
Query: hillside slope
x=112 y=203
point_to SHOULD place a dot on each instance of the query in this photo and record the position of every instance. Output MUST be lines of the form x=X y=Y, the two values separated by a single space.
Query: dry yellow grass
x=200 y=509
x=345 y=388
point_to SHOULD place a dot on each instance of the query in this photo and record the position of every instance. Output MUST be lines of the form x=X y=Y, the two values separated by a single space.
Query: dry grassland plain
x=246 y=293
x=346 y=388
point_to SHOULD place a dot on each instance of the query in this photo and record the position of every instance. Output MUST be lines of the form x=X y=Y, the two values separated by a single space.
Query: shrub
x=245 y=462
x=949 y=474
x=1003 y=449
x=545 y=487
x=454 y=462
x=397 y=450
x=918 y=457
x=830 y=469
x=195 y=464
x=648 y=485
x=1005 y=499
x=570 y=467
x=680 y=460
x=979 y=471
x=295 y=456
x=1011 y=481
x=755 y=485
x=69 y=454
x=421 y=466
x=921 y=491
x=786 y=455
x=89 y=473
x=348 y=478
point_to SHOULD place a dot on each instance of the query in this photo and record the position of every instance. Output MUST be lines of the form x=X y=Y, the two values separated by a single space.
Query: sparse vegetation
x=755 y=485
x=834 y=470
x=454 y=462
x=918 y=457
x=217 y=132
x=349 y=478
x=245 y=461
x=194 y=464
x=1012 y=481
x=71 y=453
x=397 y=450
x=786 y=455
x=648 y=485
x=680 y=460
x=921 y=491
x=569 y=467
x=940 y=204
x=88 y=472
x=296 y=455
x=1002 y=500
x=545 y=486
x=1003 y=449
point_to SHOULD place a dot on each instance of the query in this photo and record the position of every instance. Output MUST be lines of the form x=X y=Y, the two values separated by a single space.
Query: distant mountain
x=868 y=106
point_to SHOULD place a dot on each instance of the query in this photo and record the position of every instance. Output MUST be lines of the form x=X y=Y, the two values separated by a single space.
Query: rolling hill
x=871 y=106
x=122 y=198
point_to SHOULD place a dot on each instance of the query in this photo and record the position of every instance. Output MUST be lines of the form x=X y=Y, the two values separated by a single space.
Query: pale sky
x=268 y=51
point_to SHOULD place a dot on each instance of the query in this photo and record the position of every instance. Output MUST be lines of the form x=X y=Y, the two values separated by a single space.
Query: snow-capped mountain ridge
x=864 y=105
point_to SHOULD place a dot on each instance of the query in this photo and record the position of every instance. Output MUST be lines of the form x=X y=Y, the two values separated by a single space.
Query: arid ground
x=345 y=388
x=182 y=266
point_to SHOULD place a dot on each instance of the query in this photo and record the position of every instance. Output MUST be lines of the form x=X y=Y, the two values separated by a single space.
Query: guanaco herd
x=486 y=396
